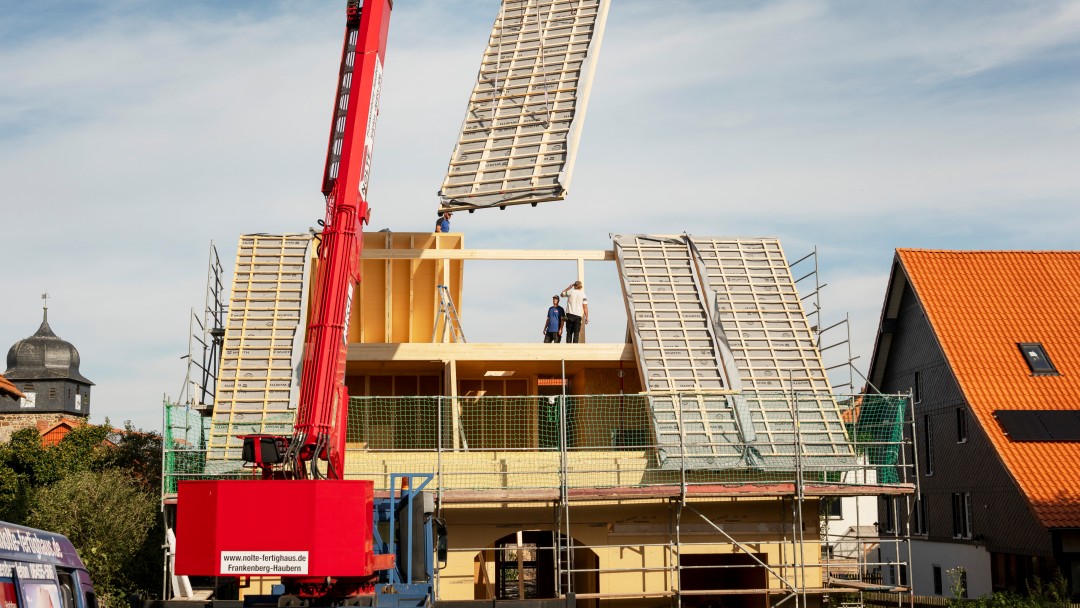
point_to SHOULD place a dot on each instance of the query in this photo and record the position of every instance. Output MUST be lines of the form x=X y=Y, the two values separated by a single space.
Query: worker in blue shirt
x=443 y=223
x=553 y=324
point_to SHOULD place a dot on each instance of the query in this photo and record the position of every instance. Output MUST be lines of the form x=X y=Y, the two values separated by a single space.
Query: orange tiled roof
x=8 y=389
x=981 y=304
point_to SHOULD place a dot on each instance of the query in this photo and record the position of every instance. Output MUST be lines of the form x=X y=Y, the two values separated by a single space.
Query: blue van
x=40 y=569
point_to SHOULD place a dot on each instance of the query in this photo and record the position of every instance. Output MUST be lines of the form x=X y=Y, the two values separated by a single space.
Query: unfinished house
x=986 y=343
x=683 y=464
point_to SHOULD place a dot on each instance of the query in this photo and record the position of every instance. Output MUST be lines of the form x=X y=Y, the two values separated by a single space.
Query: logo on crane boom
x=373 y=115
x=348 y=314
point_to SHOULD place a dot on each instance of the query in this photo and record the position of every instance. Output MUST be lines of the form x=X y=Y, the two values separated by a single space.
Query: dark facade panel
x=48 y=397
x=1000 y=514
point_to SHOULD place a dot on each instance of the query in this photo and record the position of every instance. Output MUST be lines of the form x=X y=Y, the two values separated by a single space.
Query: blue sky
x=132 y=134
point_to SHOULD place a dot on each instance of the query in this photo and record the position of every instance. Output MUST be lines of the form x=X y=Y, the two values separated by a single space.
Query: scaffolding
x=577 y=484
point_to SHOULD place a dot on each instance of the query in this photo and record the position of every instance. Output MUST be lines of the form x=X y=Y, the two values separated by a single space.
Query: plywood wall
x=398 y=298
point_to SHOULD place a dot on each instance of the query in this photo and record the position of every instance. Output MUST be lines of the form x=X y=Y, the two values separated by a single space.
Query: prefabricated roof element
x=719 y=321
x=258 y=381
x=523 y=122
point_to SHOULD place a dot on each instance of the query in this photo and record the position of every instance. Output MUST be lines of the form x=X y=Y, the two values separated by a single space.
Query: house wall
x=1001 y=518
x=636 y=538
x=10 y=423
x=949 y=555
x=397 y=299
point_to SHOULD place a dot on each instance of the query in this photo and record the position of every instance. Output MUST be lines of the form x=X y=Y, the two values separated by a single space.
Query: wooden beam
x=603 y=255
x=474 y=351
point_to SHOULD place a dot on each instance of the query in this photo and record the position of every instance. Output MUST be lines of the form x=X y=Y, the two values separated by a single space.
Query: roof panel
x=722 y=318
x=520 y=133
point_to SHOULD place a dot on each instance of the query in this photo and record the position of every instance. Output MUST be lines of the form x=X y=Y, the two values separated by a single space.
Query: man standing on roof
x=553 y=324
x=443 y=223
x=577 y=310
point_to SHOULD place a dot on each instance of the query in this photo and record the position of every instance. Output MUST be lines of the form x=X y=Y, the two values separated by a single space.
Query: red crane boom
x=325 y=550
x=321 y=418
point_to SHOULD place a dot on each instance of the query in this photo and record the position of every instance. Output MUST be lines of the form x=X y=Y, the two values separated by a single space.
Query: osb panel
x=607 y=382
x=398 y=299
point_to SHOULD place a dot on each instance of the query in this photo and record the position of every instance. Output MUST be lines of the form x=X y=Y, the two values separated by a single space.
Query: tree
x=107 y=516
x=33 y=476
x=24 y=465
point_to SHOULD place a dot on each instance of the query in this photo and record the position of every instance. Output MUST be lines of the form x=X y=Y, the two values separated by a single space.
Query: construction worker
x=443 y=223
x=553 y=324
x=577 y=310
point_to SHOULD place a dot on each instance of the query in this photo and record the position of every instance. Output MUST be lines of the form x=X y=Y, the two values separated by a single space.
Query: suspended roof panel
x=522 y=125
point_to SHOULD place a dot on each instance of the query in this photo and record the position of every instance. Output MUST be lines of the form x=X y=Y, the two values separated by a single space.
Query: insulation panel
x=719 y=329
x=258 y=383
x=522 y=126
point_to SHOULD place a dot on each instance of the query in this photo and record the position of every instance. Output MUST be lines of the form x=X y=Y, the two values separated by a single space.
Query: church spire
x=45 y=330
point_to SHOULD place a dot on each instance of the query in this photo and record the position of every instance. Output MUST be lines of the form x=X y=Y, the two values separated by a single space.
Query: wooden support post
x=581 y=277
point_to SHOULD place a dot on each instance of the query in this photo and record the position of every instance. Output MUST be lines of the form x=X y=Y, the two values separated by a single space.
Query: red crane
x=308 y=525
x=321 y=417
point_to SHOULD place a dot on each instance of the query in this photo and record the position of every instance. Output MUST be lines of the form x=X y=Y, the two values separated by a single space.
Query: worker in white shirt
x=577 y=310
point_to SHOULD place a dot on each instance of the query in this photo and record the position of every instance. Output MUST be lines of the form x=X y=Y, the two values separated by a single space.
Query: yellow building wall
x=397 y=300
x=631 y=544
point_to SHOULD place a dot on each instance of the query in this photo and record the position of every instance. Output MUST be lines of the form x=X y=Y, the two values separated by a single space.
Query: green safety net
x=581 y=441
x=879 y=431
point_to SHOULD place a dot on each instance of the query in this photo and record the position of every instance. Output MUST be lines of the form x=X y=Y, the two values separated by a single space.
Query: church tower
x=46 y=370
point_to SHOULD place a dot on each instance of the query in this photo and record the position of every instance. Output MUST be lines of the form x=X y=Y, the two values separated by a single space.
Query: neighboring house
x=626 y=472
x=53 y=433
x=987 y=342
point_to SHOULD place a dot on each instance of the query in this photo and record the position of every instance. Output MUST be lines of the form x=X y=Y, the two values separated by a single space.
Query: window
x=967 y=515
x=961 y=515
x=52 y=392
x=40 y=594
x=938 y=589
x=832 y=507
x=961 y=425
x=1037 y=360
x=916 y=388
x=67 y=588
x=928 y=446
x=920 y=526
x=890 y=516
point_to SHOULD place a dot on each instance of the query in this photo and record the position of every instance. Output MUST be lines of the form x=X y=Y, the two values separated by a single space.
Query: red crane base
x=303 y=528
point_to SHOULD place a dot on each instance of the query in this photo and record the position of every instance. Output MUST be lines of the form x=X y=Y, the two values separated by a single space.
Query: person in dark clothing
x=553 y=324
x=577 y=310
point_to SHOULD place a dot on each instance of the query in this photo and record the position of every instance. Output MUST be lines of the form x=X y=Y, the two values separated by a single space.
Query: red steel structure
x=329 y=527
x=321 y=416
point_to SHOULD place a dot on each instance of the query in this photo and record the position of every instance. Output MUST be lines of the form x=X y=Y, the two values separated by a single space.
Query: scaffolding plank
x=522 y=125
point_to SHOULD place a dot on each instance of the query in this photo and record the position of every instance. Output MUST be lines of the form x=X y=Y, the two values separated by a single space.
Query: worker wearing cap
x=443 y=223
x=553 y=324
x=577 y=310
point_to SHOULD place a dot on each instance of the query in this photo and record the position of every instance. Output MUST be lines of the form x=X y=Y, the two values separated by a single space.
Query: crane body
x=310 y=526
